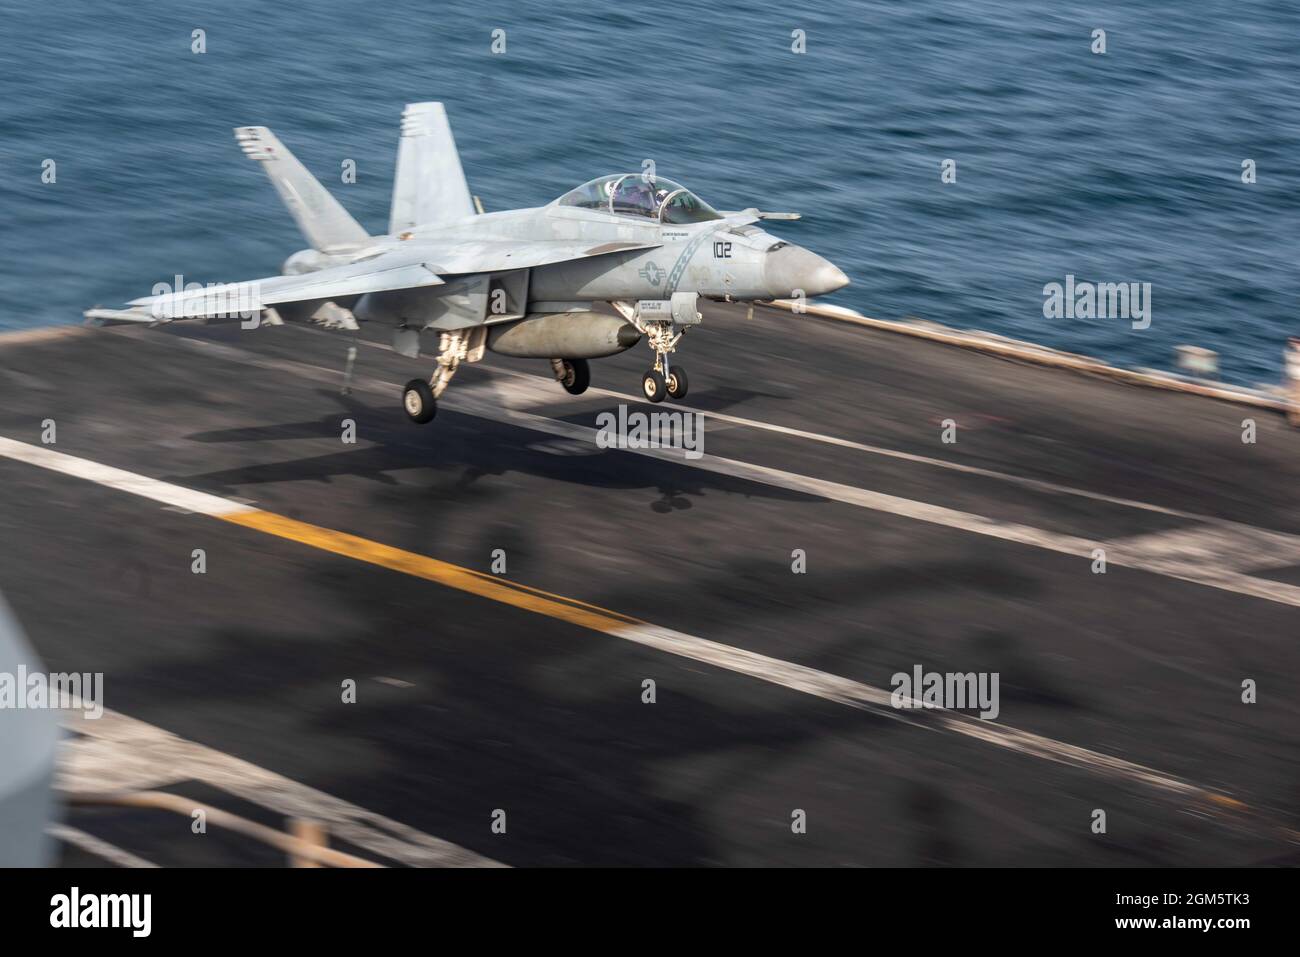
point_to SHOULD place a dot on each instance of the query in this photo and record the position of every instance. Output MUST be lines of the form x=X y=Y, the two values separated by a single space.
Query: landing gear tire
x=677 y=384
x=577 y=376
x=653 y=385
x=418 y=401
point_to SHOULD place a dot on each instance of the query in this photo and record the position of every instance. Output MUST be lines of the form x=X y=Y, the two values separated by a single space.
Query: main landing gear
x=573 y=374
x=418 y=401
x=420 y=398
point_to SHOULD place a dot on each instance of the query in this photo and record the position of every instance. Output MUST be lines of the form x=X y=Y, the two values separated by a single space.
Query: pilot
x=637 y=195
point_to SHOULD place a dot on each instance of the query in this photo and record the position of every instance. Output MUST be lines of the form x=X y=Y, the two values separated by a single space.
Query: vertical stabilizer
x=429 y=186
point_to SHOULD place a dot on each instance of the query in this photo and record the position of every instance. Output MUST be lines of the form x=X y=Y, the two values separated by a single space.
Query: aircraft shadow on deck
x=478 y=448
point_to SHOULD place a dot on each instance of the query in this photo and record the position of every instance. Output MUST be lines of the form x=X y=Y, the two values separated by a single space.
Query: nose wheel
x=656 y=387
x=653 y=385
x=677 y=382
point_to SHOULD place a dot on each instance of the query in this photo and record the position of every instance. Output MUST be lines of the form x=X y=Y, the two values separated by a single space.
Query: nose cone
x=792 y=268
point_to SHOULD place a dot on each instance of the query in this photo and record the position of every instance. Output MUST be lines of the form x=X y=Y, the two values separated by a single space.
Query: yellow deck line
x=431 y=569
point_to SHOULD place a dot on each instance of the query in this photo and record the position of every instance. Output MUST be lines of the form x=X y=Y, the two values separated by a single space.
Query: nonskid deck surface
x=373 y=562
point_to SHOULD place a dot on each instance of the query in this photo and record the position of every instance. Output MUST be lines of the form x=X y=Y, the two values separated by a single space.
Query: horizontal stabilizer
x=323 y=221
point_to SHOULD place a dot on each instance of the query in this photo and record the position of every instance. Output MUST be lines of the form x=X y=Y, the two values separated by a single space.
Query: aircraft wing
x=404 y=268
x=408 y=266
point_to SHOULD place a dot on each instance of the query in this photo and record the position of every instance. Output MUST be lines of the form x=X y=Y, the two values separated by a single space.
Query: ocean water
x=1122 y=167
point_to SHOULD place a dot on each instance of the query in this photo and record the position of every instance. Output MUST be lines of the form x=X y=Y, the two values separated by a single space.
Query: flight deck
x=568 y=654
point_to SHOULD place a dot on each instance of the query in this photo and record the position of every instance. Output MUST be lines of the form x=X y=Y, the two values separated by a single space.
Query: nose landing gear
x=663 y=380
x=656 y=385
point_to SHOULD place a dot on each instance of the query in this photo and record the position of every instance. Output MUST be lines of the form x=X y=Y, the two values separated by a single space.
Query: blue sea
x=1117 y=167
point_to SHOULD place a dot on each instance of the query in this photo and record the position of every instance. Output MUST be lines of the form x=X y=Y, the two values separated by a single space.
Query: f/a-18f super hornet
x=523 y=282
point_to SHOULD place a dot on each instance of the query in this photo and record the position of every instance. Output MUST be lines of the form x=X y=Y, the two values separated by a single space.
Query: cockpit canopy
x=640 y=194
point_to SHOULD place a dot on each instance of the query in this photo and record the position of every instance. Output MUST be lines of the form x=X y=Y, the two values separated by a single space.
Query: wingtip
x=257 y=142
x=425 y=106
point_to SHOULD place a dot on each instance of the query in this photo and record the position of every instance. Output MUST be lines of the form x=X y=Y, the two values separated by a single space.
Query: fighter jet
x=522 y=282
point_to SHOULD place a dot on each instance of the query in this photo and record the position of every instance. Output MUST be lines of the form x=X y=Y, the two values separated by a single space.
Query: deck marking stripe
x=1042 y=485
x=119 y=746
x=480 y=401
x=1023 y=481
x=430 y=569
x=794 y=677
x=96 y=846
x=786 y=674
x=1214 y=576
x=120 y=479
x=789 y=675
